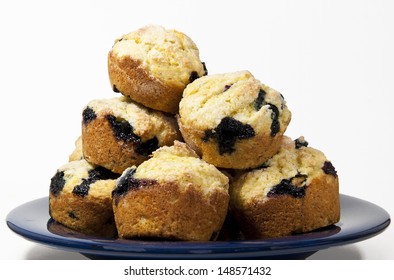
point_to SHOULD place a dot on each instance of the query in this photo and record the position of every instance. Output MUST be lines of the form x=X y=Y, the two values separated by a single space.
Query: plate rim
x=152 y=249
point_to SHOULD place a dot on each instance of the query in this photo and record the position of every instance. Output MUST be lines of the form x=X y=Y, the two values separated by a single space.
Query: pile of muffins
x=179 y=152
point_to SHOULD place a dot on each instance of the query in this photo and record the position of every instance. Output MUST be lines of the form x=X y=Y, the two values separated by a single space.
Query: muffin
x=174 y=195
x=118 y=133
x=77 y=153
x=80 y=198
x=153 y=65
x=296 y=191
x=232 y=120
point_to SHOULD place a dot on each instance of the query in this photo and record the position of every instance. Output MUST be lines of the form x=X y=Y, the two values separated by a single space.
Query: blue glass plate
x=359 y=220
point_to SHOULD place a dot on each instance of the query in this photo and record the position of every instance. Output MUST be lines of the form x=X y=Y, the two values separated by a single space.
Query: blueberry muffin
x=174 y=195
x=80 y=198
x=77 y=153
x=232 y=120
x=295 y=191
x=118 y=133
x=153 y=65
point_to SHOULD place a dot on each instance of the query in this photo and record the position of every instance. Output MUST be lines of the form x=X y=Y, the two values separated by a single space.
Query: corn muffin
x=296 y=191
x=174 y=195
x=232 y=120
x=118 y=133
x=153 y=65
x=80 y=198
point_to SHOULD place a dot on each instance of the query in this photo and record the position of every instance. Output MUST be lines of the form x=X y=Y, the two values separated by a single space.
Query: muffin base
x=164 y=211
x=285 y=215
x=92 y=216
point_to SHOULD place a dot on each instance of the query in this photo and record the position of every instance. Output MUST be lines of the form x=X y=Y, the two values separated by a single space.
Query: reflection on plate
x=359 y=220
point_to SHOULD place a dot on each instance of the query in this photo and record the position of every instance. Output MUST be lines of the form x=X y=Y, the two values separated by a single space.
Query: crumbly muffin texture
x=118 y=133
x=77 y=153
x=80 y=198
x=228 y=117
x=173 y=195
x=295 y=191
x=153 y=65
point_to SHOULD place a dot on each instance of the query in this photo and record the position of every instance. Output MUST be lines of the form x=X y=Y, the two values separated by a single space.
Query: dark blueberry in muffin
x=57 y=183
x=258 y=103
x=146 y=148
x=193 y=76
x=88 y=115
x=127 y=182
x=275 y=125
x=226 y=87
x=122 y=129
x=329 y=169
x=122 y=185
x=205 y=68
x=285 y=187
x=83 y=188
x=115 y=89
x=228 y=132
x=99 y=173
x=300 y=142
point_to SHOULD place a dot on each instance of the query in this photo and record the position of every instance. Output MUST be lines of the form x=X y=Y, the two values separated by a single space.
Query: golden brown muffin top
x=237 y=95
x=168 y=55
x=82 y=178
x=146 y=123
x=180 y=165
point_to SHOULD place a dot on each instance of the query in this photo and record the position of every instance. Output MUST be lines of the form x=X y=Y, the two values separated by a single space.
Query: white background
x=332 y=60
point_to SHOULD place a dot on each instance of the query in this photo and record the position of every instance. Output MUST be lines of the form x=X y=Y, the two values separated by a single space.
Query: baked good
x=80 y=198
x=174 y=195
x=77 y=153
x=118 y=133
x=153 y=65
x=232 y=120
x=296 y=191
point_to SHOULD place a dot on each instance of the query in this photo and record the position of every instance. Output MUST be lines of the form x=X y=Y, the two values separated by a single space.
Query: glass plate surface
x=360 y=220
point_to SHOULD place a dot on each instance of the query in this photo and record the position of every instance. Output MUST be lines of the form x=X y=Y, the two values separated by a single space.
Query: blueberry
x=193 y=76
x=99 y=173
x=258 y=103
x=57 y=183
x=115 y=89
x=275 y=125
x=83 y=188
x=205 y=68
x=123 y=184
x=300 y=142
x=227 y=133
x=146 y=148
x=127 y=183
x=88 y=115
x=329 y=169
x=226 y=87
x=285 y=187
x=123 y=130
